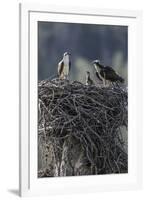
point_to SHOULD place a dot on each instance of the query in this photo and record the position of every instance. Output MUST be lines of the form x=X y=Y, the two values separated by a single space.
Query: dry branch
x=79 y=129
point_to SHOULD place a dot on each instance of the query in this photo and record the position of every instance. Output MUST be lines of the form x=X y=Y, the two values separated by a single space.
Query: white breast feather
x=66 y=70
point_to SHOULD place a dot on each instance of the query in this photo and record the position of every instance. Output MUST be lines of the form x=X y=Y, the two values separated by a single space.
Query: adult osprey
x=64 y=66
x=106 y=73
x=89 y=81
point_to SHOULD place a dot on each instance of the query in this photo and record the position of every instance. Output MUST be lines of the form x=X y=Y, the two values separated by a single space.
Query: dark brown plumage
x=97 y=75
x=60 y=68
x=106 y=73
x=89 y=81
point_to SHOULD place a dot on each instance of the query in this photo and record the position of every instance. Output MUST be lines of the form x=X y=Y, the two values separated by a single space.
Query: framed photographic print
x=80 y=100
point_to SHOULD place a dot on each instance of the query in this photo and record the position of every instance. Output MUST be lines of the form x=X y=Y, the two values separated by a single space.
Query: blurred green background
x=85 y=42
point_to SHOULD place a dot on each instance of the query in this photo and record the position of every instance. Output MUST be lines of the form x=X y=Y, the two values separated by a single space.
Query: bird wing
x=60 y=67
x=110 y=69
x=109 y=74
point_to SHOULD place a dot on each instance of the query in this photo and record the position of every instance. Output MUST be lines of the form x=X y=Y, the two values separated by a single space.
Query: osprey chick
x=106 y=73
x=89 y=81
x=64 y=66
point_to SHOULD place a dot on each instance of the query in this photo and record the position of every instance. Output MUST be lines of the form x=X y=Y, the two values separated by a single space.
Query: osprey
x=89 y=81
x=106 y=73
x=64 y=66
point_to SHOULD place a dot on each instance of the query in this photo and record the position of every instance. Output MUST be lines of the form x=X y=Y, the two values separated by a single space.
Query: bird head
x=96 y=62
x=66 y=57
x=66 y=54
x=88 y=73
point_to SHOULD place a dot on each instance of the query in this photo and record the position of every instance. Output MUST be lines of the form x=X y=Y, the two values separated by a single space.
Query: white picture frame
x=29 y=184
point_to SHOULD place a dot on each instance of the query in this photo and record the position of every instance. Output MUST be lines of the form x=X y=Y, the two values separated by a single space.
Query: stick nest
x=90 y=116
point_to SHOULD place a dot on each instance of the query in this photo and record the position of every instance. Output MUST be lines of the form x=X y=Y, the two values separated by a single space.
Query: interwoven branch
x=90 y=116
